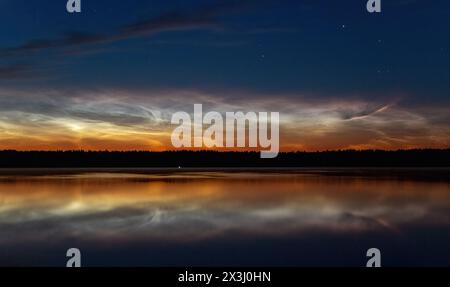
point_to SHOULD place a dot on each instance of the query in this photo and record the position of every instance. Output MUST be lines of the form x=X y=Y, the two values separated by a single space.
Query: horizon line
x=224 y=151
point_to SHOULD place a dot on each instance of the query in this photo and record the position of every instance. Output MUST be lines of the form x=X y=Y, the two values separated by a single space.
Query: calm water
x=270 y=218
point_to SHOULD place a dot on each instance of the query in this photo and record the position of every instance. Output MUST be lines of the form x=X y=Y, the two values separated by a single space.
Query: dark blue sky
x=342 y=76
x=308 y=46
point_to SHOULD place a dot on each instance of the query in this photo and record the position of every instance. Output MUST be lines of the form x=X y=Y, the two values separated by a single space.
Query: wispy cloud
x=115 y=119
x=202 y=17
x=353 y=114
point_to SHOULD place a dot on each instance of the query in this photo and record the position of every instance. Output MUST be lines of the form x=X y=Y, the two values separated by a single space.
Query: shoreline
x=401 y=173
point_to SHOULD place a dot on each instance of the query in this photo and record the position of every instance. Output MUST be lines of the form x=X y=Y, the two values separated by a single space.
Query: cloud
x=351 y=114
x=204 y=17
x=133 y=118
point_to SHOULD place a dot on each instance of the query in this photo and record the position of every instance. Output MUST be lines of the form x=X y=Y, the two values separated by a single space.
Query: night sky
x=111 y=76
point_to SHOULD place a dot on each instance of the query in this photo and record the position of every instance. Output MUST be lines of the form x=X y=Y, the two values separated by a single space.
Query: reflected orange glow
x=198 y=205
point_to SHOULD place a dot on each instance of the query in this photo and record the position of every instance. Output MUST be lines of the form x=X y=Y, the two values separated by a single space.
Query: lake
x=304 y=217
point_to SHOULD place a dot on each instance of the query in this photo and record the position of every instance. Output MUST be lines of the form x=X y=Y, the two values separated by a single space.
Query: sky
x=111 y=76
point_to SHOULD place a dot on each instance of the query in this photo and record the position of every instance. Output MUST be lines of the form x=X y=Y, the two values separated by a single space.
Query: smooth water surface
x=233 y=218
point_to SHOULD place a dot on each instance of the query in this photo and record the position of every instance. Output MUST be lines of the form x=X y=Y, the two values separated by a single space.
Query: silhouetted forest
x=347 y=158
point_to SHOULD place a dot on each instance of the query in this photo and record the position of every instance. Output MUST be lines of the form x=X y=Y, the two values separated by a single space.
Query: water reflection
x=233 y=218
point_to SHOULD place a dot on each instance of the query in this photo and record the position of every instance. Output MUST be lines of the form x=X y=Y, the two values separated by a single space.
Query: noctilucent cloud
x=111 y=76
